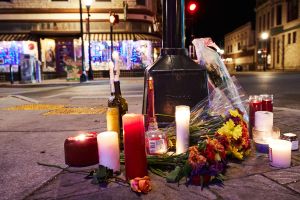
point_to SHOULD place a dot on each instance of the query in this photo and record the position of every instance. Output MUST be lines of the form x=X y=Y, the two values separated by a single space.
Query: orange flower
x=196 y=160
x=140 y=185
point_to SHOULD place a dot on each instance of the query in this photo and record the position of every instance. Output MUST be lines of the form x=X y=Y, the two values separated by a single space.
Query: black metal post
x=83 y=77
x=11 y=74
x=173 y=24
x=111 y=42
x=90 y=73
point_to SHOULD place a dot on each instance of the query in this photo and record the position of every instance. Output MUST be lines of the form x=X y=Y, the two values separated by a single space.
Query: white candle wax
x=108 y=149
x=280 y=153
x=264 y=120
x=182 y=117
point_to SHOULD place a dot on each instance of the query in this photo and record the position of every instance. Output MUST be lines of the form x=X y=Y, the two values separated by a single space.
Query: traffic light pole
x=111 y=42
x=90 y=73
x=83 y=77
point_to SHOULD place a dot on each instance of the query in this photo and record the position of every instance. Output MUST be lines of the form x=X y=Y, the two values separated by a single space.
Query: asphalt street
x=284 y=86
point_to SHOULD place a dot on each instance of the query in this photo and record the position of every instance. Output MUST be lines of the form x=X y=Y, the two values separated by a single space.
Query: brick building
x=280 y=20
x=239 y=47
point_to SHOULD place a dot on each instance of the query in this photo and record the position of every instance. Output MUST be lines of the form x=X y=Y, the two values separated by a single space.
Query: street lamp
x=83 y=77
x=88 y=4
x=113 y=19
x=265 y=36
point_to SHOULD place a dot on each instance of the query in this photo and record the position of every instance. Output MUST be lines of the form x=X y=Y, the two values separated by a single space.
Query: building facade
x=278 y=34
x=239 y=47
x=50 y=31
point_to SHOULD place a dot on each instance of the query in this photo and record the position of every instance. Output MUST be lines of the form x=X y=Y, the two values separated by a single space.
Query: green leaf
x=174 y=176
x=102 y=175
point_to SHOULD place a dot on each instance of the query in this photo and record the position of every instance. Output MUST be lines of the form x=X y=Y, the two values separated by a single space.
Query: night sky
x=215 y=18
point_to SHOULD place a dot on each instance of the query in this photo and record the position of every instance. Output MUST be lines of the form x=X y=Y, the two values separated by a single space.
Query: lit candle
x=134 y=146
x=108 y=148
x=112 y=119
x=280 y=153
x=81 y=150
x=182 y=116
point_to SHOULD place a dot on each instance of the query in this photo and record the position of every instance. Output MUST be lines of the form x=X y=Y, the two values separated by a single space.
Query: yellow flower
x=234 y=113
x=230 y=130
x=238 y=155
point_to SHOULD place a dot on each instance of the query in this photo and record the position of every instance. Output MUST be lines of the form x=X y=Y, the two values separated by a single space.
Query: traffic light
x=192 y=6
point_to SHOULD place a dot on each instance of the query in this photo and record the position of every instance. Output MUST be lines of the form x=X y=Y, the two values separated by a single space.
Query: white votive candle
x=280 y=153
x=182 y=115
x=108 y=149
x=264 y=120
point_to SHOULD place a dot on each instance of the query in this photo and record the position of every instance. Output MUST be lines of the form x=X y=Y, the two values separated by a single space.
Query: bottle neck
x=151 y=109
x=117 y=88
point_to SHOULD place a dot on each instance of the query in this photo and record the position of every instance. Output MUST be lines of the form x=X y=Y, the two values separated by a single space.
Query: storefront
x=135 y=52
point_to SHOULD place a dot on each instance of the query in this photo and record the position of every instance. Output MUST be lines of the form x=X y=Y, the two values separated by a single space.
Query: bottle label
x=157 y=146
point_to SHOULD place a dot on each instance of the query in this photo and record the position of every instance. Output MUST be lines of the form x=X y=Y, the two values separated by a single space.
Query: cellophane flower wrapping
x=218 y=127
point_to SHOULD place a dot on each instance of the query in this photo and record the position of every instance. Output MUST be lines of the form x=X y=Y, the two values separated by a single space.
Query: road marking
x=56 y=95
x=24 y=98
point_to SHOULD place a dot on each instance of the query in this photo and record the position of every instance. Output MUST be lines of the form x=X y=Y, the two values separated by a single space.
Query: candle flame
x=80 y=137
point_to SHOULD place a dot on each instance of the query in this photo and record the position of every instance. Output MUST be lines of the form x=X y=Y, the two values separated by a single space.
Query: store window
x=132 y=54
x=278 y=51
x=292 y=10
x=294 y=37
x=279 y=15
x=289 y=38
x=11 y=53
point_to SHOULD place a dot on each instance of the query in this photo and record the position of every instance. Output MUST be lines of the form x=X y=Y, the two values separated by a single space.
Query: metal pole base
x=91 y=74
x=83 y=78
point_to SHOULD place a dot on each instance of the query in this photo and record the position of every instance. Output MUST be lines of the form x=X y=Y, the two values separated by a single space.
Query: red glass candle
x=134 y=146
x=82 y=150
x=267 y=102
x=255 y=104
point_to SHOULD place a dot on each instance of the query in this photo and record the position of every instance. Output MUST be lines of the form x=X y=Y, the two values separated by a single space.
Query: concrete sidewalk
x=28 y=137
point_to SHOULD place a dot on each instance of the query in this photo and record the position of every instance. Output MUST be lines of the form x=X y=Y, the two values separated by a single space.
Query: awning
x=16 y=37
x=123 y=36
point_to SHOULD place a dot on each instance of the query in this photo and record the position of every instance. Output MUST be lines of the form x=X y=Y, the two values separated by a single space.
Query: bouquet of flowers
x=218 y=132
x=234 y=136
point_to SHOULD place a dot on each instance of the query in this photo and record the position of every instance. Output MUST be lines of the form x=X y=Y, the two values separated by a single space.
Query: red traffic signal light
x=192 y=7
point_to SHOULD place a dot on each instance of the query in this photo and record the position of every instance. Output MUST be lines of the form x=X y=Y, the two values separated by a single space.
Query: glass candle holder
x=255 y=104
x=267 y=102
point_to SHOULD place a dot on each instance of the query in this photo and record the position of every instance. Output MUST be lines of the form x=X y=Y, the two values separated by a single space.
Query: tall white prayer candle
x=280 y=153
x=182 y=116
x=108 y=149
